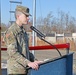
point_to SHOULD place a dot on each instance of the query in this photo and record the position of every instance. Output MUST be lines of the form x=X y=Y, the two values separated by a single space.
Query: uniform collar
x=18 y=28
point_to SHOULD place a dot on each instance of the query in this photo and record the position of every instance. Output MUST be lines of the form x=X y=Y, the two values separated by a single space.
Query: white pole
x=0 y=33
x=34 y=23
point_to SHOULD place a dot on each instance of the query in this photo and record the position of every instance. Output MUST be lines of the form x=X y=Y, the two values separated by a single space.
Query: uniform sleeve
x=13 y=51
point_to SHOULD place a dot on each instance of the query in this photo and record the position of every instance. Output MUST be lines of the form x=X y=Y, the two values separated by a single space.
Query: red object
x=49 y=47
x=67 y=45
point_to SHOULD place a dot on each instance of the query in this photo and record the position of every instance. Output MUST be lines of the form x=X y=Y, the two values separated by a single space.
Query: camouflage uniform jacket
x=17 y=62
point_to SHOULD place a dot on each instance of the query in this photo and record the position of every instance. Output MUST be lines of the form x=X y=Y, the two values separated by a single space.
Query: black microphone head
x=37 y=31
x=31 y=27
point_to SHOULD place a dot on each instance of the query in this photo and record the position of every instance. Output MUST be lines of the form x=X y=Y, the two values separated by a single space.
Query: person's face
x=24 y=19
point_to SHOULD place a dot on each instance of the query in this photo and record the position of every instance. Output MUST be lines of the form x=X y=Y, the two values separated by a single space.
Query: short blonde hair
x=17 y=13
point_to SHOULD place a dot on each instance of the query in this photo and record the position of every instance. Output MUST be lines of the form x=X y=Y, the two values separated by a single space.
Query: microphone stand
x=42 y=36
x=49 y=44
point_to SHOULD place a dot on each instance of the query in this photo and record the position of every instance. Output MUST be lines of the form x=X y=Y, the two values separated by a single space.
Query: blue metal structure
x=59 y=66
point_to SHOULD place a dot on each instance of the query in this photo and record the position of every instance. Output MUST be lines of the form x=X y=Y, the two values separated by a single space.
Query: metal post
x=0 y=35
x=34 y=22
x=10 y=13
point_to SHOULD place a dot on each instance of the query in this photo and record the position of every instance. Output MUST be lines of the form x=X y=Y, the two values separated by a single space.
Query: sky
x=43 y=7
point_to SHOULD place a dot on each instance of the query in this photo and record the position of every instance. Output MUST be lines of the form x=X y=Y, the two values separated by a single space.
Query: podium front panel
x=60 y=66
x=52 y=68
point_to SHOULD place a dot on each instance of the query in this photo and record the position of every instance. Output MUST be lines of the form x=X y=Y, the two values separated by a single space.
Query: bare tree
x=3 y=27
x=61 y=24
x=45 y=23
x=71 y=27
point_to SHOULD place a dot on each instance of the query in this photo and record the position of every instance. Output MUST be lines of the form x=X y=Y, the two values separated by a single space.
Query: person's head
x=22 y=14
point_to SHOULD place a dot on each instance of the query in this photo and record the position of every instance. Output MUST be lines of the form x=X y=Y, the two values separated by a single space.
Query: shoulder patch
x=10 y=38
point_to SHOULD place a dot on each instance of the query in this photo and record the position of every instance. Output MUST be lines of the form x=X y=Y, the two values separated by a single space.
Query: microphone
x=37 y=31
x=42 y=35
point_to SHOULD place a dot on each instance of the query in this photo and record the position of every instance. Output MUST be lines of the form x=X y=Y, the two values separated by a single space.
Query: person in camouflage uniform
x=17 y=44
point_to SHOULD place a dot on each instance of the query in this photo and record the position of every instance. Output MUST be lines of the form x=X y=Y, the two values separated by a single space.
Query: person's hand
x=39 y=62
x=34 y=65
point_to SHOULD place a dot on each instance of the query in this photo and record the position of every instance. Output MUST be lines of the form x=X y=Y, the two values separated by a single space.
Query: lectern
x=58 y=66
